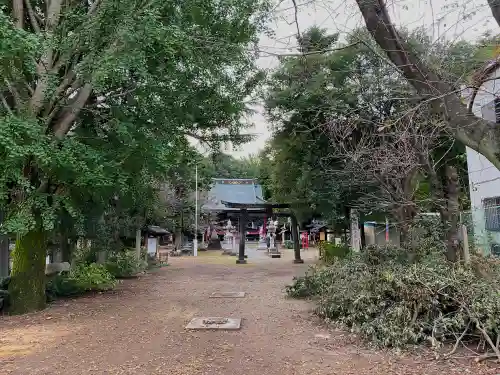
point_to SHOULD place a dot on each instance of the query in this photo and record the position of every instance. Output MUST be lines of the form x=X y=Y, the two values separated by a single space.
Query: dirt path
x=139 y=329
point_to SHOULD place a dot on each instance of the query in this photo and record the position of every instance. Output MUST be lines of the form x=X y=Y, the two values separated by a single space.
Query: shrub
x=151 y=260
x=125 y=264
x=309 y=285
x=329 y=252
x=394 y=302
x=4 y=293
x=80 y=279
x=288 y=244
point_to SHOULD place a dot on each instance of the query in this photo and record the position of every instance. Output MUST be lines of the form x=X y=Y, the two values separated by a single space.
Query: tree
x=220 y=165
x=431 y=85
x=303 y=94
x=347 y=134
x=97 y=95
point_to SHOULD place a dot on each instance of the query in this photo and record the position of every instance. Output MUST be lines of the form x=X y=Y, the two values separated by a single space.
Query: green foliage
x=125 y=264
x=80 y=279
x=394 y=302
x=309 y=285
x=310 y=95
x=96 y=110
x=329 y=252
x=4 y=293
x=305 y=94
x=288 y=244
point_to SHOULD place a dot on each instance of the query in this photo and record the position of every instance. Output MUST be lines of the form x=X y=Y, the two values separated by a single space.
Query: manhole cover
x=227 y=295
x=215 y=323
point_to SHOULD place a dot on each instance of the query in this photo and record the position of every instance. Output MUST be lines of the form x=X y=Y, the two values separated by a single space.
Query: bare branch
x=458 y=341
x=320 y=52
x=478 y=134
x=296 y=16
x=488 y=339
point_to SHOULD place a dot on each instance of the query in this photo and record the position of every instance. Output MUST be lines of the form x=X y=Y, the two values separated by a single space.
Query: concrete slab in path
x=215 y=323
x=227 y=295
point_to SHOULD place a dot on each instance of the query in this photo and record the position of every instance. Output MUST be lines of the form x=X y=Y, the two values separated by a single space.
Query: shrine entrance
x=240 y=200
x=264 y=210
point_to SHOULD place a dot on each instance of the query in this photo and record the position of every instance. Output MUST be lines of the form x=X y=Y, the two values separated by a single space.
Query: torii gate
x=265 y=209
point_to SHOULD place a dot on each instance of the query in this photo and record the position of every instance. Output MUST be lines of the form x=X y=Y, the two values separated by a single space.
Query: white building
x=484 y=178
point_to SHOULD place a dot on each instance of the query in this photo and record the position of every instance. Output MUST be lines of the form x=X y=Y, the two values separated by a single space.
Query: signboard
x=151 y=245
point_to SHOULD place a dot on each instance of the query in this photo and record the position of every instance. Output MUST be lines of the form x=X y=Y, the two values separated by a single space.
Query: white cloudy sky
x=443 y=18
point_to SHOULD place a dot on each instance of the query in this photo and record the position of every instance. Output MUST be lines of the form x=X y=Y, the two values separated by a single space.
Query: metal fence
x=483 y=228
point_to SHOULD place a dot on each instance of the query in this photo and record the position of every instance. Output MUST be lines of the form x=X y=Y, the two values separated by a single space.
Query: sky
x=444 y=19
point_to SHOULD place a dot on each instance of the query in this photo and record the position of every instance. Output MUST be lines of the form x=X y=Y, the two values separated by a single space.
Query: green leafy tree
x=304 y=94
x=97 y=95
x=347 y=89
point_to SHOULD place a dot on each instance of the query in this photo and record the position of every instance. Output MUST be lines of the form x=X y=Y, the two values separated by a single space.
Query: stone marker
x=53 y=268
x=215 y=323
x=227 y=295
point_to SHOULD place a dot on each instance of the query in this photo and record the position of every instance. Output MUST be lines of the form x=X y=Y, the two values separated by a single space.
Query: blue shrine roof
x=240 y=190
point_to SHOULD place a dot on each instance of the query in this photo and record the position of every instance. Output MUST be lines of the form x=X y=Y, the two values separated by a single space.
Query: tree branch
x=93 y=7
x=15 y=94
x=473 y=132
x=63 y=126
x=18 y=13
x=5 y=104
x=495 y=9
x=487 y=337
x=31 y=14
x=66 y=82
x=310 y=52
x=45 y=63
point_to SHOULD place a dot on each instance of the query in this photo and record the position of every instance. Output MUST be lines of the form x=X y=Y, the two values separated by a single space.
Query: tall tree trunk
x=405 y=216
x=4 y=251
x=355 y=232
x=404 y=229
x=179 y=237
x=27 y=286
x=452 y=209
x=138 y=243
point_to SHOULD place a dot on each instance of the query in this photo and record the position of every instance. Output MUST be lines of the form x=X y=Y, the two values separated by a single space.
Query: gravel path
x=139 y=329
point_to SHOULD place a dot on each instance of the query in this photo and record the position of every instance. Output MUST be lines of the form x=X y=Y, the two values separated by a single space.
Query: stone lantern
x=271 y=234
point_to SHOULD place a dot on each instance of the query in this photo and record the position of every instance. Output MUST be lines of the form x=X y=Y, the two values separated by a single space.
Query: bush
x=80 y=279
x=330 y=252
x=125 y=264
x=288 y=244
x=151 y=260
x=393 y=302
x=4 y=293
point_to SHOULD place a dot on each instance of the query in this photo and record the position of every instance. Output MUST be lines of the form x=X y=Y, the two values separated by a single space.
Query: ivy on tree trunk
x=27 y=285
